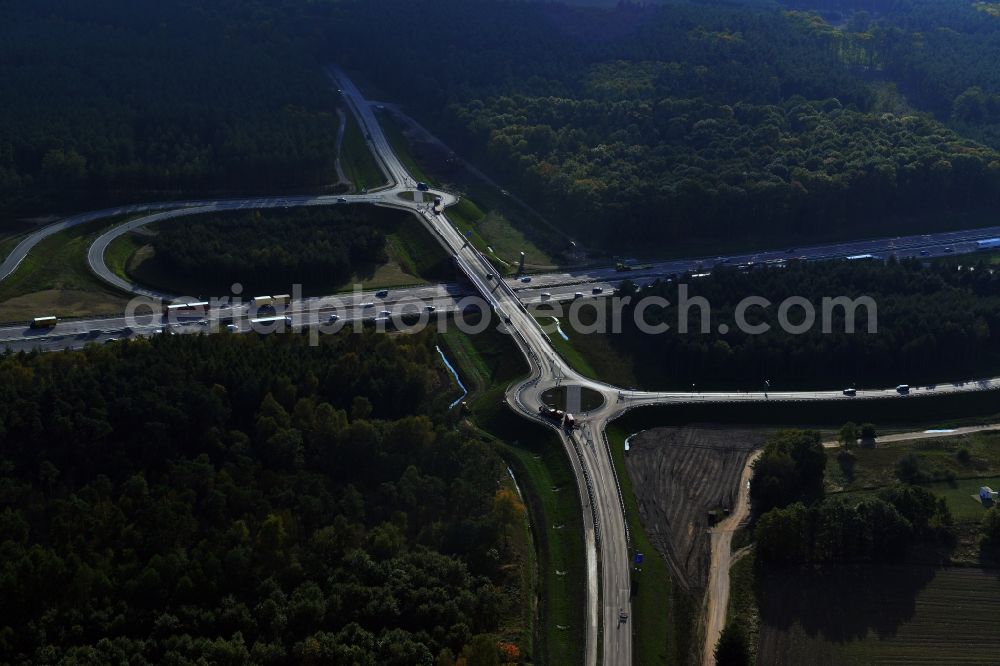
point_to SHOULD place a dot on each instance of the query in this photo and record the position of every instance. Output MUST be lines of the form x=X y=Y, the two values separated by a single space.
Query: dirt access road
x=722 y=535
x=718 y=573
x=923 y=434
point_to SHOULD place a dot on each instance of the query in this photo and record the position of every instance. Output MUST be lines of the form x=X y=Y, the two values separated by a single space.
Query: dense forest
x=678 y=123
x=312 y=247
x=693 y=121
x=797 y=525
x=934 y=324
x=242 y=499
x=111 y=101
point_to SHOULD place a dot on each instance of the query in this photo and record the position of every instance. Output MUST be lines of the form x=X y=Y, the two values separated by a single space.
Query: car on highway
x=489 y=276
x=850 y=392
x=598 y=290
x=332 y=318
x=369 y=304
x=382 y=293
x=949 y=249
x=431 y=308
x=578 y=294
x=385 y=313
x=546 y=295
x=232 y=328
x=341 y=200
x=526 y=279
x=903 y=389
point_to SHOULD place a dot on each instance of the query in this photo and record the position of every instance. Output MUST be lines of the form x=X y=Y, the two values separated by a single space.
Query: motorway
x=428 y=301
x=608 y=629
x=922 y=246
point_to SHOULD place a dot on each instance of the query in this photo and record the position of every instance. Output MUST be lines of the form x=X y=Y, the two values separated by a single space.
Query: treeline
x=934 y=324
x=682 y=122
x=315 y=248
x=687 y=169
x=237 y=499
x=797 y=525
x=836 y=530
x=116 y=100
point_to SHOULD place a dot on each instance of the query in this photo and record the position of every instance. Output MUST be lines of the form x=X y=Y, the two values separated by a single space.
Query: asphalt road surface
x=608 y=634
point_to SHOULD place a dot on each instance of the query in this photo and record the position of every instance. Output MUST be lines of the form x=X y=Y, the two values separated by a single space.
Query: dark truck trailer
x=558 y=416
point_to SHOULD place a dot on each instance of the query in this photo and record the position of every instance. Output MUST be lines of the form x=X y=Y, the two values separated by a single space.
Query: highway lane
x=605 y=518
x=17 y=255
x=349 y=306
x=606 y=534
x=98 y=249
x=925 y=246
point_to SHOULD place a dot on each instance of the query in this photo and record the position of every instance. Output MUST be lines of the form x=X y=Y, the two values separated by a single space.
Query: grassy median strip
x=487 y=364
x=394 y=133
x=356 y=158
x=120 y=251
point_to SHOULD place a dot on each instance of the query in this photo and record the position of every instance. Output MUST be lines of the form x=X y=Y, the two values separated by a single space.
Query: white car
x=546 y=295
x=578 y=294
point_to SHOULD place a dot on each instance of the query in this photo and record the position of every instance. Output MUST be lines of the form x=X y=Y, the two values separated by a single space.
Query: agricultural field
x=881 y=614
x=679 y=475
x=953 y=468
x=942 y=459
x=664 y=614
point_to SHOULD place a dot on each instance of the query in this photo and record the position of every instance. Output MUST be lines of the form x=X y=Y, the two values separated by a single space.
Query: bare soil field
x=678 y=476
